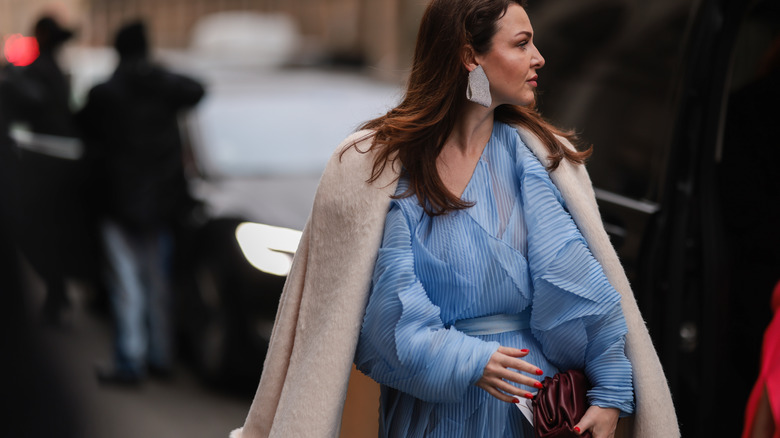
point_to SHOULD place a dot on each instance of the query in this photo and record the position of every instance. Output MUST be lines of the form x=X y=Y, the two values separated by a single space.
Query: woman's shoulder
x=346 y=181
x=355 y=150
x=354 y=158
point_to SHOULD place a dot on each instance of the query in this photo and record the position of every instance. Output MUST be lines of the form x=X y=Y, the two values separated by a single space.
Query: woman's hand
x=600 y=421
x=499 y=371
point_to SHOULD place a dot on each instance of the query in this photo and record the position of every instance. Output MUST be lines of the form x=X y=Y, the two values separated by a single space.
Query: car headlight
x=269 y=249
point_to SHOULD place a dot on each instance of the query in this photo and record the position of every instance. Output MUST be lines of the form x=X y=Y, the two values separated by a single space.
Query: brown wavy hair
x=415 y=131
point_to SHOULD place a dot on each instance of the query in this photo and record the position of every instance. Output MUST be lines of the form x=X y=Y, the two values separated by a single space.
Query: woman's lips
x=533 y=80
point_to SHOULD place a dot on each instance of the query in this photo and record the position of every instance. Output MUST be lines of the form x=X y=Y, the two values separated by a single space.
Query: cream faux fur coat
x=306 y=372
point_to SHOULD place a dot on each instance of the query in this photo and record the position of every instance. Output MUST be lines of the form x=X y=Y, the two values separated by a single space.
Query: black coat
x=131 y=123
x=51 y=220
x=42 y=97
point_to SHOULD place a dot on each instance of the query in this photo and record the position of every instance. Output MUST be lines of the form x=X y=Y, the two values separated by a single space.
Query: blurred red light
x=21 y=50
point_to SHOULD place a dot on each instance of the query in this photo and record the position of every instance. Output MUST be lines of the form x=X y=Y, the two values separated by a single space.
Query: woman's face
x=512 y=60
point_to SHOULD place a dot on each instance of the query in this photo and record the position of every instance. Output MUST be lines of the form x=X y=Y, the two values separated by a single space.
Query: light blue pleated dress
x=512 y=270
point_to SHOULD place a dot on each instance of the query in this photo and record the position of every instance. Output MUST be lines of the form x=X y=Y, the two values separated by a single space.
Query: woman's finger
x=500 y=371
x=601 y=422
x=513 y=352
x=496 y=393
x=497 y=374
x=511 y=389
x=583 y=426
x=520 y=379
x=521 y=365
x=503 y=386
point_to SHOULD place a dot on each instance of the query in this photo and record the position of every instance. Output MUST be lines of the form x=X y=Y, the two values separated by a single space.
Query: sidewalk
x=183 y=407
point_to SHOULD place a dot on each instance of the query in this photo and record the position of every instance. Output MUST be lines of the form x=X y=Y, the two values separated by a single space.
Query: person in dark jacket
x=51 y=221
x=132 y=121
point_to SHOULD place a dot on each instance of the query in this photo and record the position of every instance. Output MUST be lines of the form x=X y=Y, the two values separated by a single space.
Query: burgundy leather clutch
x=560 y=405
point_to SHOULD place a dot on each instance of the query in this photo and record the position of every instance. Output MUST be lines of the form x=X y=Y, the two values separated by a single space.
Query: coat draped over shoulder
x=306 y=372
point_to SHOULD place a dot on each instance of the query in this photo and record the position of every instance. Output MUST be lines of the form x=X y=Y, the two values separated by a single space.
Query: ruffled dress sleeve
x=403 y=343
x=576 y=313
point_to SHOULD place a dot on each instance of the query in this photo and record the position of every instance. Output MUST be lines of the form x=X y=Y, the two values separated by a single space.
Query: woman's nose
x=539 y=59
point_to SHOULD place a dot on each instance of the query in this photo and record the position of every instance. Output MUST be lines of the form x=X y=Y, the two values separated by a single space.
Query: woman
x=476 y=236
x=476 y=228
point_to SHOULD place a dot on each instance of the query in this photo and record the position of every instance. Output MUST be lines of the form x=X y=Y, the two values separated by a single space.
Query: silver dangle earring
x=478 y=89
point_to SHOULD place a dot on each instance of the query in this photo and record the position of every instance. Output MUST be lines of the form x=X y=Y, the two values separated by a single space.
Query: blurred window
x=611 y=75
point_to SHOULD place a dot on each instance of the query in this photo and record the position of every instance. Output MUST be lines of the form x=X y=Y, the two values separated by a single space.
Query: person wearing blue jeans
x=131 y=124
x=138 y=273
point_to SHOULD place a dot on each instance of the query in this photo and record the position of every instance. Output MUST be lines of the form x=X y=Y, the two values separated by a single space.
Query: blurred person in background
x=32 y=381
x=131 y=122
x=7 y=166
x=462 y=230
x=52 y=222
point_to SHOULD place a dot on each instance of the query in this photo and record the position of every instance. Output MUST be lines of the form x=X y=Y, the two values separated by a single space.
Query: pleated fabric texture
x=517 y=249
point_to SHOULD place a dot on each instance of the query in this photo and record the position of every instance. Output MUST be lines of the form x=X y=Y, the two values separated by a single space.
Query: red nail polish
x=577 y=429
x=515 y=400
x=525 y=350
x=538 y=385
x=527 y=395
x=539 y=372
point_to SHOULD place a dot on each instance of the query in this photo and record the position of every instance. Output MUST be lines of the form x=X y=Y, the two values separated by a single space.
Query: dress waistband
x=493 y=324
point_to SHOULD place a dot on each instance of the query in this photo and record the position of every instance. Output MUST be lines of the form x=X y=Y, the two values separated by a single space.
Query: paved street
x=180 y=408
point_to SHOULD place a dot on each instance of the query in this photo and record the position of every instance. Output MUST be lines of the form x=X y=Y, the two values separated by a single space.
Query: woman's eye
x=522 y=43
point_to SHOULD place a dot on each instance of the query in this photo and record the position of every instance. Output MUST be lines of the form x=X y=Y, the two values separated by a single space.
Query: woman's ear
x=468 y=58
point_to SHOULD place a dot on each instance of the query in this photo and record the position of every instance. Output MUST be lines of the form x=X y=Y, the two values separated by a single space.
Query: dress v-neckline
x=476 y=166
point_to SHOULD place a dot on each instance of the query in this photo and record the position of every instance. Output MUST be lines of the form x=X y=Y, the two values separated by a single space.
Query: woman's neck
x=462 y=150
x=472 y=131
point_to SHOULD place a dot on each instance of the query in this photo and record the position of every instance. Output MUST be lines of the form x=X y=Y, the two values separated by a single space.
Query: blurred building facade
x=379 y=33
